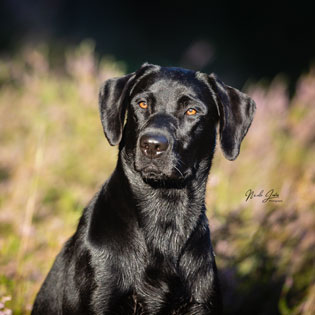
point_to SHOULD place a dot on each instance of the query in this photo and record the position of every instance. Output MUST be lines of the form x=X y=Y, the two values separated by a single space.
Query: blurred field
x=54 y=157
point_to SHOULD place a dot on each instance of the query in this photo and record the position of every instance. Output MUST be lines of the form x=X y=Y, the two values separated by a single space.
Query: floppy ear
x=112 y=108
x=236 y=111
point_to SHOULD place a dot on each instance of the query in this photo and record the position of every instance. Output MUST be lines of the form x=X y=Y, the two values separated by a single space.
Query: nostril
x=153 y=145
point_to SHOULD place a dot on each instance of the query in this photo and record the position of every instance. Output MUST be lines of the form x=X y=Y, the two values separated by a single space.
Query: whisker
x=181 y=162
x=179 y=171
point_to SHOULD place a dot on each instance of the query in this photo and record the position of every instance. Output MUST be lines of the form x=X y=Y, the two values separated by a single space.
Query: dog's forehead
x=170 y=83
x=167 y=87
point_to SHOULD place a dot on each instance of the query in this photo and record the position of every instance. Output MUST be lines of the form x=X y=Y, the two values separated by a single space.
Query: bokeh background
x=54 y=157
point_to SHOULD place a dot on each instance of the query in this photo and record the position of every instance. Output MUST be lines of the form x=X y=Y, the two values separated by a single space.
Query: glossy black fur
x=143 y=243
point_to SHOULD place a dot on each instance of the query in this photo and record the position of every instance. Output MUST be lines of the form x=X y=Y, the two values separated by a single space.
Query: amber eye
x=143 y=104
x=191 y=112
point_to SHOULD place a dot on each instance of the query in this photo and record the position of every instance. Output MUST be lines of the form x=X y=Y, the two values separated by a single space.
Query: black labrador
x=143 y=243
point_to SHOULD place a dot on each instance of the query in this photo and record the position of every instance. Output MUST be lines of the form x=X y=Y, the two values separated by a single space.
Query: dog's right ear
x=112 y=106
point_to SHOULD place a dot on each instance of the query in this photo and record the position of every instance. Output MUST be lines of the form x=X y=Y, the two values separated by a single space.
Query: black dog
x=143 y=243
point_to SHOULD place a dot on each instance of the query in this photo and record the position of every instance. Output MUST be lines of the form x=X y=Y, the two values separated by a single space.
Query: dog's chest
x=142 y=307
x=164 y=223
x=152 y=279
x=159 y=284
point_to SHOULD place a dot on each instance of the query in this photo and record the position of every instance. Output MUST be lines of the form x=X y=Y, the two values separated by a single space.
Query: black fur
x=143 y=243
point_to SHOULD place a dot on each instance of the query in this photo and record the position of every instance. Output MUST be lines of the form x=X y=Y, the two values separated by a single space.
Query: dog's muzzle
x=154 y=158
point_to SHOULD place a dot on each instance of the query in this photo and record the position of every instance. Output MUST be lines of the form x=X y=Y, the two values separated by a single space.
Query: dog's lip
x=154 y=173
x=151 y=171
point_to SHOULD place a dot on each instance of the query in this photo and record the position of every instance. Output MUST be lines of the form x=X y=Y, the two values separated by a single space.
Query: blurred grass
x=54 y=157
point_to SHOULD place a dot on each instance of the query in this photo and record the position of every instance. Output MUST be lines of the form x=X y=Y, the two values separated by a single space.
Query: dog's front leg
x=198 y=265
x=205 y=292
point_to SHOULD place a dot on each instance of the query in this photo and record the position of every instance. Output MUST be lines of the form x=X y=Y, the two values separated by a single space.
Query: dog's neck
x=166 y=215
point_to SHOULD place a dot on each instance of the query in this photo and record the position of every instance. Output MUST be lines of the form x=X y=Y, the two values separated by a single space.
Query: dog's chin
x=158 y=179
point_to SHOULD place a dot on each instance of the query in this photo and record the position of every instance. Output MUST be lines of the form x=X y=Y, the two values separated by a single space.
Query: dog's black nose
x=153 y=145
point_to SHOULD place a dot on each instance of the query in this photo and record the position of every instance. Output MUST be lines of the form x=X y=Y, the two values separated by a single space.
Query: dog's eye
x=191 y=112
x=143 y=104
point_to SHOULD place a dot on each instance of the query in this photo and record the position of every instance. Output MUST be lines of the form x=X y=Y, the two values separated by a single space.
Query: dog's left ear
x=236 y=111
x=112 y=106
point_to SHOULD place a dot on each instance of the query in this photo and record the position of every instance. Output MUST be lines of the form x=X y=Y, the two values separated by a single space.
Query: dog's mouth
x=173 y=178
x=153 y=173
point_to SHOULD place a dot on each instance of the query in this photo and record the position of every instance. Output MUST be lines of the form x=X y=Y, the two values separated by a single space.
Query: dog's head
x=172 y=117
